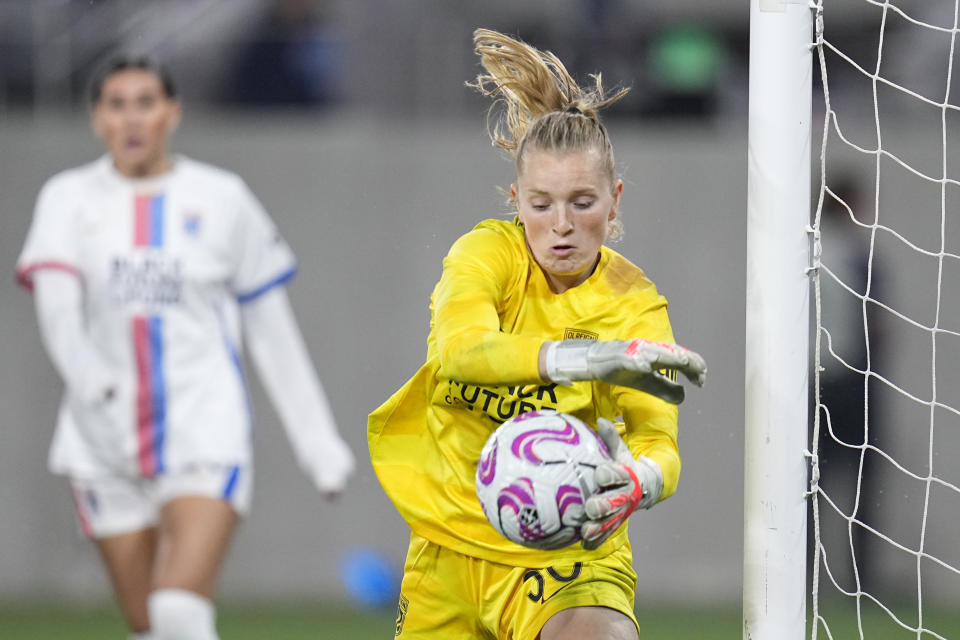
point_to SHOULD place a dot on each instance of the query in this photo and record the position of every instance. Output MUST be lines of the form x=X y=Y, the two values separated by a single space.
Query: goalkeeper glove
x=625 y=484
x=637 y=364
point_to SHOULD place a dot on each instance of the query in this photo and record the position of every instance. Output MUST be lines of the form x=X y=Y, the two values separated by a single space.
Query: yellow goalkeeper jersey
x=490 y=313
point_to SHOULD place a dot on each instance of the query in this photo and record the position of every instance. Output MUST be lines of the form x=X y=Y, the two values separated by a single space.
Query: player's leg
x=589 y=622
x=200 y=512
x=195 y=532
x=129 y=561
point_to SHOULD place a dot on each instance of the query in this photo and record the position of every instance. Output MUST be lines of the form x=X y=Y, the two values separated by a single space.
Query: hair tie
x=574 y=109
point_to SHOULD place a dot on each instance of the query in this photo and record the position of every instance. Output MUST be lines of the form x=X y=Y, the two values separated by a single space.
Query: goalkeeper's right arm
x=640 y=364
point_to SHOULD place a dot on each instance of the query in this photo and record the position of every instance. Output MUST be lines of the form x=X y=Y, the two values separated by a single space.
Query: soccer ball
x=534 y=475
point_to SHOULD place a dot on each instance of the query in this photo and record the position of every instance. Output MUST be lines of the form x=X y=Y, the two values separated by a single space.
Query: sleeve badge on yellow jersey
x=580 y=334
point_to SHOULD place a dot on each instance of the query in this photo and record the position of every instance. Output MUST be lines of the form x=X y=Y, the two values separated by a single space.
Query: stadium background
x=372 y=157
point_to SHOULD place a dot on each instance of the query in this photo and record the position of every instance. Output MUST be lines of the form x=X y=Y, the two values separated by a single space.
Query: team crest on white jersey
x=191 y=223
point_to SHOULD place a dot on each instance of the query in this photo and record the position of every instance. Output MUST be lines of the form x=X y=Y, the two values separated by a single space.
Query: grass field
x=303 y=622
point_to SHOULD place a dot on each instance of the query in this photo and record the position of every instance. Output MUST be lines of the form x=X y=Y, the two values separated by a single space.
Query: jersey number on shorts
x=540 y=583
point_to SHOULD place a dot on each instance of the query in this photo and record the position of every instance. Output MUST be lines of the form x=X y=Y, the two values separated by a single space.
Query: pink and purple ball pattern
x=567 y=496
x=487 y=468
x=522 y=446
x=518 y=497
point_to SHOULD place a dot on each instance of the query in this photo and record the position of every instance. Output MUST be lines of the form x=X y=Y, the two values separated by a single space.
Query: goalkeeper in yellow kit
x=534 y=314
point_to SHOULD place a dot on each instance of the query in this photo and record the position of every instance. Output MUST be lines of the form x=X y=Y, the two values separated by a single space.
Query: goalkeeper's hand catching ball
x=625 y=484
x=640 y=364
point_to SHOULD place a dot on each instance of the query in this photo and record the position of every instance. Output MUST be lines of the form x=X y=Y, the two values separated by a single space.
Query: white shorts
x=114 y=505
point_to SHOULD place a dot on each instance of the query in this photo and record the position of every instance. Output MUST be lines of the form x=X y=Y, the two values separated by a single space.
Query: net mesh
x=885 y=438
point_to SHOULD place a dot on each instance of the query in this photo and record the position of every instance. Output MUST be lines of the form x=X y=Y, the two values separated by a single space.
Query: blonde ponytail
x=538 y=105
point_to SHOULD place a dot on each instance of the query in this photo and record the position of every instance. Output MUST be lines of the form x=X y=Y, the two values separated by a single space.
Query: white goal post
x=880 y=255
x=777 y=320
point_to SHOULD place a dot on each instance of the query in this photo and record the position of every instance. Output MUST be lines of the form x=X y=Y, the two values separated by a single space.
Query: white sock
x=178 y=614
x=146 y=635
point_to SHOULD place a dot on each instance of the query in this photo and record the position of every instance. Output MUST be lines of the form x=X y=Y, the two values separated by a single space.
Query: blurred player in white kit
x=149 y=271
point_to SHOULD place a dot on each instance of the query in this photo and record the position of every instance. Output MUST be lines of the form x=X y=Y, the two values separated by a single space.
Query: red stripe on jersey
x=146 y=456
x=141 y=221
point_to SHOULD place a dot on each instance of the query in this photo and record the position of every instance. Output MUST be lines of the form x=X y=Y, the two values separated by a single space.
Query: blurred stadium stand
x=682 y=57
x=324 y=53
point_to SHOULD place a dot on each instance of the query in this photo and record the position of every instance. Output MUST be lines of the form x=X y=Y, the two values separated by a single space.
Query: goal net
x=885 y=434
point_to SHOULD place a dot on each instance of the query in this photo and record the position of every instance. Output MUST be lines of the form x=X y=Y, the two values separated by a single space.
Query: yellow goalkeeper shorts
x=445 y=594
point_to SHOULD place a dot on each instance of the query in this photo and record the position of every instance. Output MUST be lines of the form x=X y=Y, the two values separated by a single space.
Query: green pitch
x=234 y=622
x=344 y=622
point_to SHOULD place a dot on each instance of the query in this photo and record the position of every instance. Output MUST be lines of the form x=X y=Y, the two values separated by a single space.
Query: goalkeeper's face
x=566 y=202
x=134 y=117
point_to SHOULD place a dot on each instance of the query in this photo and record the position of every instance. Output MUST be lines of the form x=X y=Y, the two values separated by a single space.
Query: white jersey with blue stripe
x=165 y=263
